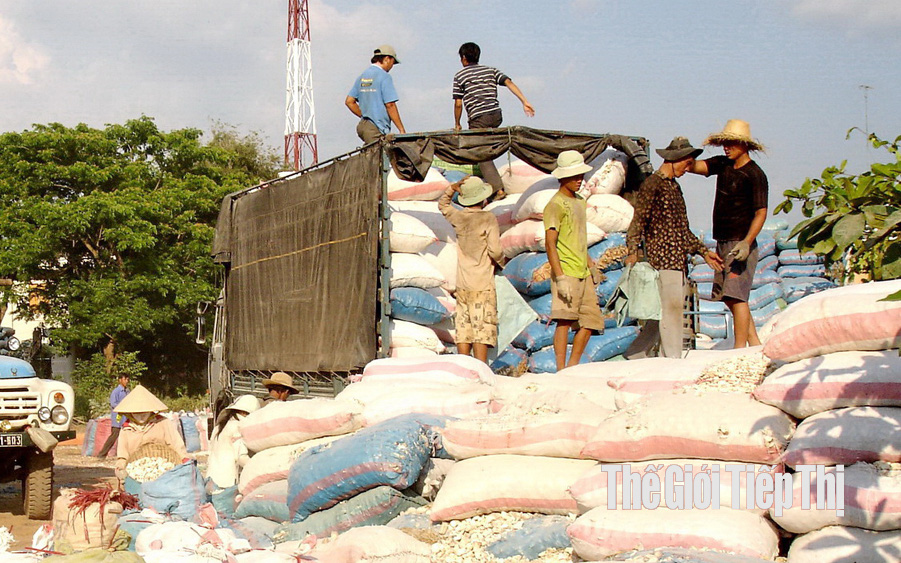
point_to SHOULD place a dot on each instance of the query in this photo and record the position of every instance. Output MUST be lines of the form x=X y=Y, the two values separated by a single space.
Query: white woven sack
x=832 y=381
x=429 y=189
x=539 y=393
x=852 y=317
x=407 y=353
x=482 y=485
x=447 y=368
x=594 y=389
x=405 y=334
x=428 y=213
x=530 y=236
x=693 y=424
x=184 y=537
x=264 y=556
x=612 y=214
x=382 y=402
x=373 y=544
x=503 y=209
x=600 y=533
x=872 y=501
x=518 y=176
x=846 y=436
x=608 y=172
x=836 y=544
x=273 y=464
x=443 y=257
x=532 y=202
x=591 y=490
x=281 y=423
x=412 y=270
x=409 y=234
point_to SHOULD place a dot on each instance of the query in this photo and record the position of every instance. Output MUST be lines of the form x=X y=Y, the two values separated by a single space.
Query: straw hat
x=735 y=130
x=569 y=164
x=472 y=191
x=245 y=403
x=283 y=379
x=678 y=149
x=140 y=400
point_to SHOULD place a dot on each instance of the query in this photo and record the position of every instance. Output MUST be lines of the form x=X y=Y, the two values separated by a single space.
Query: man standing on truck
x=118 y=420
x=566 y=241
x=739 y=211
x=280 y=387
x=475 y=88
x=373 y=98
x=478 y=249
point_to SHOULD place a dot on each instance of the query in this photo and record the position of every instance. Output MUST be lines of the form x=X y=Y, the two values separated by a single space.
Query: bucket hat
x=735 y=130
x=140 y=400
x=283 y=379
x=678 y=149
x=569 y=164
x=473 y=190
x=387 y=50
x=245 y=403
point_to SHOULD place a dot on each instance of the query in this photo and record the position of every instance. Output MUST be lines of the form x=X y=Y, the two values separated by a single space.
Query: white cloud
x=20 y=61
x=853 y=15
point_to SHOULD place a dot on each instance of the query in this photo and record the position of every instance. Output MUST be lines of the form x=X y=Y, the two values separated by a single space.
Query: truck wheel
x=37 y=486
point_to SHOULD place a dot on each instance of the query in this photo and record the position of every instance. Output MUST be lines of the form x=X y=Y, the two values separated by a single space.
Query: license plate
x=10 y=440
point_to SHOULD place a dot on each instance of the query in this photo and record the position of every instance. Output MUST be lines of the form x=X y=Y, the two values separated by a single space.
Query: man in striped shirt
x=475 y=88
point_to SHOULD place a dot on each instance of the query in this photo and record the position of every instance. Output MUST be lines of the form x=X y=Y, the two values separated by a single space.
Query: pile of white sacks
x=439 y=459
x=424 y=259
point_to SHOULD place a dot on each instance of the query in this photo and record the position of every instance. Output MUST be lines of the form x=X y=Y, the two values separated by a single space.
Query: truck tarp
x=302 y=252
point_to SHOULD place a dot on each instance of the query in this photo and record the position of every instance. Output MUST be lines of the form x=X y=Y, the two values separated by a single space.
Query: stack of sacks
x=96 y=432
x=193 y=429
x=530 y=274
x=701 y=428
x=276 y=435
x=844 y=382
x=518 y=176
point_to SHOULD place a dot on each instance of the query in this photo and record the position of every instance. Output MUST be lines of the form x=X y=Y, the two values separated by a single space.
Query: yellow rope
x=361 y=235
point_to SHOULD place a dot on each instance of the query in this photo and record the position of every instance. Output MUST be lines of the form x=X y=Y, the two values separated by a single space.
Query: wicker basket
x=155 y=449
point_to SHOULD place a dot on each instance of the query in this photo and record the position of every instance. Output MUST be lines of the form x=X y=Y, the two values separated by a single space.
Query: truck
x=35 y=415
x=306 y=258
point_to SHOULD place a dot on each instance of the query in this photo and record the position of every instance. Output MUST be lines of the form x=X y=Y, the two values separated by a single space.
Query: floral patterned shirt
x=660 y=224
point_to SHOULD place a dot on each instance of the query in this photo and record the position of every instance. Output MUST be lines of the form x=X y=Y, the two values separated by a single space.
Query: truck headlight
x=13 y=344
x=44 y=414
x=60 y=414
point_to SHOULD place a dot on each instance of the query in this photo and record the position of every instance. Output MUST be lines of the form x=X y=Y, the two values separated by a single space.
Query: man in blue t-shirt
x=373 y=98
x=118 y=420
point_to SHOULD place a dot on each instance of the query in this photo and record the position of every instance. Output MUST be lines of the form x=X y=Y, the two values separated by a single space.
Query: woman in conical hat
x=145 y=426
x=228 y=452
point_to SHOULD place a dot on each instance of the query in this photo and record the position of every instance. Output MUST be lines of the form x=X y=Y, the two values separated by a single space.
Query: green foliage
x=114 y=228
x=856 y=218
x=187 y=403
x=94 y=379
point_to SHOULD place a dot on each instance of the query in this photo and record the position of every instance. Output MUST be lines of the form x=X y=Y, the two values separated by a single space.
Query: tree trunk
x=109 y=355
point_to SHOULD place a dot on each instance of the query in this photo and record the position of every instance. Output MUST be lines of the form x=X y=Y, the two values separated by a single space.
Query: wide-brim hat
x=387 y=50
x=245 y=403
x=569 y=164
x=140 y=399
x=678 y=149
x=473 y=190
x=735 y=130
x=283 y=379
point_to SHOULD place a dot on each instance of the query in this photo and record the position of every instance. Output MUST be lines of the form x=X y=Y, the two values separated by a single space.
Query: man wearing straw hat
x=739 y=211
x=574 y=302
x=280 y=387
x=145 y=426
x=660 y=225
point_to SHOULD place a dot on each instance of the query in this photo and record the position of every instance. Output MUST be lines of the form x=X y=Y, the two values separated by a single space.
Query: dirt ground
x=70 y=470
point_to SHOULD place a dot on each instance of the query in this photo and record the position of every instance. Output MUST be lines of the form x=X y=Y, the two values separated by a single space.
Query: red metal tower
x=301 y=149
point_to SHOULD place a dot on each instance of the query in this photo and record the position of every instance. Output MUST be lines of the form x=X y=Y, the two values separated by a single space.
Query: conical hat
x=140 y=400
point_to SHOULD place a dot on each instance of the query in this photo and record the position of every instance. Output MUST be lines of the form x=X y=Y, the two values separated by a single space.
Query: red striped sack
x=846 y=436
x=293 y=422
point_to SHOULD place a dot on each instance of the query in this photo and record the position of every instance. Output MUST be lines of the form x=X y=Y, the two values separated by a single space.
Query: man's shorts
x=584 y=307
x=476 y=318
x=734 y=282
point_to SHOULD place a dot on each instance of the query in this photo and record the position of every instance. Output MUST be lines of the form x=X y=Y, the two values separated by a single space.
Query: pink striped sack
x=846 y=436
x=601 y=533
x=529 y=236
x=381 y=402
x=518 y=176
x=832 y=381
x=503 y=209
x=429 y=189
x=427 y=212
x=834 y=544
x=693 y=424
x=448 y=368
x=272 y=464
x=592 y=491
x=532 y=202
x=498 y=483
x=293 y=422
x=840 y=319
x=592 y=388
x=872 y=500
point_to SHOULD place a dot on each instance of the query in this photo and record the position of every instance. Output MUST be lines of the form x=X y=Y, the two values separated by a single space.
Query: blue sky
x=656 y=68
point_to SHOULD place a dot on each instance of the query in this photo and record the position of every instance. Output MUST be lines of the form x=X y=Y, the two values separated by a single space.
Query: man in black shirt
x=739 y=211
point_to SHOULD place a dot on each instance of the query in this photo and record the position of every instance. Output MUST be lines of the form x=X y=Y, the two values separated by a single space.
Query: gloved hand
x=741 y=251
x=566 y=288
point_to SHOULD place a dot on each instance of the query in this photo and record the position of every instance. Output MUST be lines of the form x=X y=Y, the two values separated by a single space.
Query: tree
x=854 y=218
x=110 y=229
